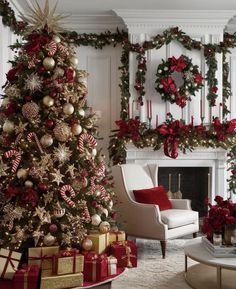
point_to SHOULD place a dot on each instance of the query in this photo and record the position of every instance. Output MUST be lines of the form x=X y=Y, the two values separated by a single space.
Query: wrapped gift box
x=125 y=252
x=68 y=262
x=6 y=284
x=62 y=281
x=26 y=277
x=95 y=267
x=112 y=265
x=100 y=242
x=116 y=236
x=9 y=261
x=42 y=256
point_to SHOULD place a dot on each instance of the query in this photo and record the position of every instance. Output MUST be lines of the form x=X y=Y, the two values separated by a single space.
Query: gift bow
x=128 y=256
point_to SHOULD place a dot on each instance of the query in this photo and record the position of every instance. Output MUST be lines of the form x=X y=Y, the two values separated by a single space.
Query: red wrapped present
x=6 y=284
x=68 y=262
x=125 y=252
x=27 y=277
x=95 y=267
x=9 y=261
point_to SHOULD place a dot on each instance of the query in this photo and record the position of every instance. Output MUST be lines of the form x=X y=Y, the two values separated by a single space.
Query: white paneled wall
x=6 y=38
x=103 y=87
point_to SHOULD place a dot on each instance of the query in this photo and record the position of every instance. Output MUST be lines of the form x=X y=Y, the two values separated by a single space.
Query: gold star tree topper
x=39 y=18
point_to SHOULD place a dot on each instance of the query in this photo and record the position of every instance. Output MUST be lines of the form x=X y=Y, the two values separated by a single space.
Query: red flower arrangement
x=166 y=85
x=219 y=215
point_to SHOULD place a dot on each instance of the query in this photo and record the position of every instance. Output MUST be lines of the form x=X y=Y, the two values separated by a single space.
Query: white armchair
x=146 y=220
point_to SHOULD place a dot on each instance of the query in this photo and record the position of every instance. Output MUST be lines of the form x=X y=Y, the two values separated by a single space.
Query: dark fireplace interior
x=193 y=184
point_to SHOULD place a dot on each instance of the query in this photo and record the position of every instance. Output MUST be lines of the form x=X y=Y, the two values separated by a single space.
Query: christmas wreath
x=178 y=70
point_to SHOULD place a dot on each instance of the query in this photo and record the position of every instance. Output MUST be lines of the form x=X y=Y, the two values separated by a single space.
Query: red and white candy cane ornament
x=63 y=49
x=32 y=136
x=86 y=137
x=64 y=193
x=52 y=47
x=96 y=187
x=16 y=162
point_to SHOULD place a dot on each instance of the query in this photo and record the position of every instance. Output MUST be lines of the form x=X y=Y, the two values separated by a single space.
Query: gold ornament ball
x=94 y=152
x=68 y=108
x=87 y=244
x=76 y=129
x=48 y=101
x=81 y=112
x=49 y=240
x=28 y=184
x=46 y=140
x=22 y=174
x=74 y=61
x=8 y=126
x=49 y=63
x=104 y=227
x=105 y=212
x=59 y=213
x=5 y=101
x=110 y=204
x=96 y=219
x=62 y=132
x=56 y=38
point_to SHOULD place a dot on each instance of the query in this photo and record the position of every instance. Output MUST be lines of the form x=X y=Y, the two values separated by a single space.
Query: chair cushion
x=176 y=218
x=156 y=195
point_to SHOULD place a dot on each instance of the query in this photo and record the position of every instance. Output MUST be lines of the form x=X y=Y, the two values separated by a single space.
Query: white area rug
x=153 y=272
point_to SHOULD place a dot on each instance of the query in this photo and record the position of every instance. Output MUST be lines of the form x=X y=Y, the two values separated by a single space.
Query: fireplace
x=205 y=166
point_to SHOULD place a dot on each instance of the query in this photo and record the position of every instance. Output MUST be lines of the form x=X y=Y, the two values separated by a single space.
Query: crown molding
x=92 y=23
x=145 y=20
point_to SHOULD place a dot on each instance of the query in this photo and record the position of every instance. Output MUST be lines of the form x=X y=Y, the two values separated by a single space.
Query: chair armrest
x=183 y=204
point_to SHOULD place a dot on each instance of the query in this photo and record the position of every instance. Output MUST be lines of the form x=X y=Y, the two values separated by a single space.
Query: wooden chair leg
x=195 y=235
x=163 y=248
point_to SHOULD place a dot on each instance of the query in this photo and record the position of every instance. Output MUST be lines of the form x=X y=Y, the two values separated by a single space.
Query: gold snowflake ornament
x=39 y=18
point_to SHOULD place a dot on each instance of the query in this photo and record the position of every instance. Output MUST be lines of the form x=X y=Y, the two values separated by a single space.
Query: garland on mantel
x=173 y=134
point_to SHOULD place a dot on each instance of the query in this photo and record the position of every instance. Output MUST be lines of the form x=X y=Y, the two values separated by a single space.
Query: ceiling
x=105 y=6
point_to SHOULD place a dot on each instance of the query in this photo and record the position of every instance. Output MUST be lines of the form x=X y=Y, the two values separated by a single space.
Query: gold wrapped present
x=69 y=261
x=42 y=256
x=9 y=261
x=116 y=236
x=112 y=265
x=62 y=281
x=100 y=242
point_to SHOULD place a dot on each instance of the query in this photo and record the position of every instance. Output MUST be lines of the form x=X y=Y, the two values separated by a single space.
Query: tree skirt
x=153 y=272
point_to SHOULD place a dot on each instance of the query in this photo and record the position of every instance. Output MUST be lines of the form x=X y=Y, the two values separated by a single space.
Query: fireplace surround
x=214 y=159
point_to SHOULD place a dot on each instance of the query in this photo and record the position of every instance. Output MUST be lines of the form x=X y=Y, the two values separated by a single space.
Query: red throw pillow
x=156 y=195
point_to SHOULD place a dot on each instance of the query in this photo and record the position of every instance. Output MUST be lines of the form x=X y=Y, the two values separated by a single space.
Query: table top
x=196 y=250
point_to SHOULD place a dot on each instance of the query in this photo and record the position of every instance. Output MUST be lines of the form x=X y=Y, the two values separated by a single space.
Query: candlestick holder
x=202 y=119
x=149 y=122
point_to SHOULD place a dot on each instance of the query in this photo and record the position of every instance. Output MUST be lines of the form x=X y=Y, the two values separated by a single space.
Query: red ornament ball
x=94 y=204
x=53 y=94
x=50 y=123
x=42 y=187
x=53 y=228
x=28 y=98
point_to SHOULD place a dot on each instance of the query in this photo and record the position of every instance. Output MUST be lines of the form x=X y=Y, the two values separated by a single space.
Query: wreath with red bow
x=166 y=84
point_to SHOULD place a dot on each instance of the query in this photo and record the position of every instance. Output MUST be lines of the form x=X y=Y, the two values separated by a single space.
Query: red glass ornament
x=53 y=228
x=50 y=123
x=42 y=186
x=28 y=98
x=53 y=94
x=94 y=204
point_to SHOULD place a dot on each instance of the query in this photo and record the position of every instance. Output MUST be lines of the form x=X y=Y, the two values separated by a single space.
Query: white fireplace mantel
x=215 y=159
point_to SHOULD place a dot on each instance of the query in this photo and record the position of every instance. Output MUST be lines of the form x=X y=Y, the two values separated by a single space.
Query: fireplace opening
x=193 y=183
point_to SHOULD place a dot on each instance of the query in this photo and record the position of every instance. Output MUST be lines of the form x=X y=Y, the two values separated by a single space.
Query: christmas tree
x=54 y=184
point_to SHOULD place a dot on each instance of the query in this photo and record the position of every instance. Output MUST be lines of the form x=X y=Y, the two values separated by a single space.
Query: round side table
x=210 y=272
